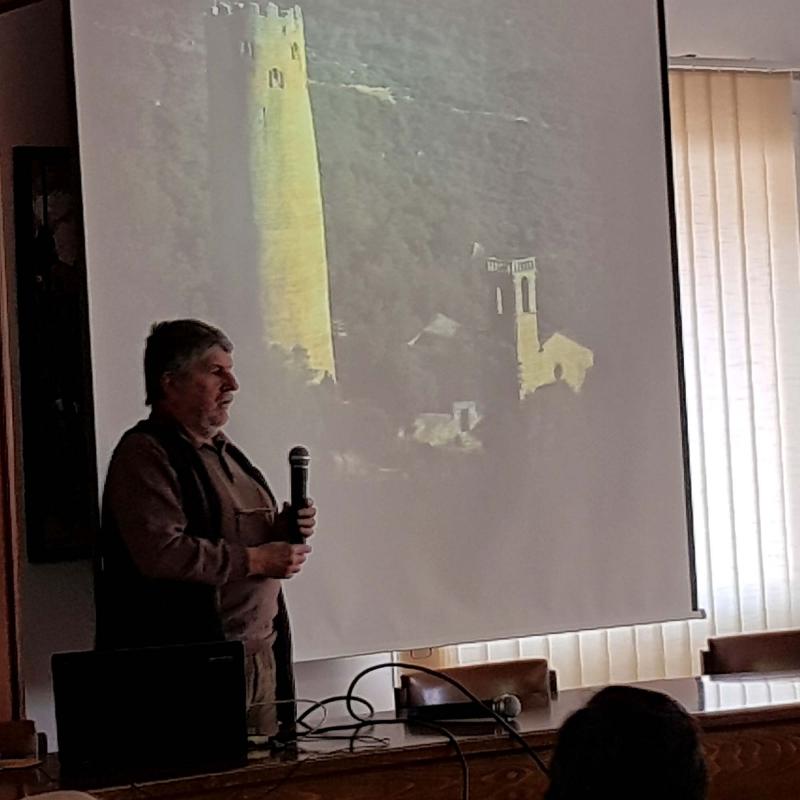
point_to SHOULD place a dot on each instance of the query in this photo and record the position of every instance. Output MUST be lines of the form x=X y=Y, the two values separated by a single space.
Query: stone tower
x=265 y=186
x=516 y=319
x=513 y=296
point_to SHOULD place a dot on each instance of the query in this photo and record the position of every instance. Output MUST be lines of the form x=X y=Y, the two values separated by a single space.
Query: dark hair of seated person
x=628 y=743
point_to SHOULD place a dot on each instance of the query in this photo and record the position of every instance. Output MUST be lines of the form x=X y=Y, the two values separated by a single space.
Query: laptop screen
x=129 y=714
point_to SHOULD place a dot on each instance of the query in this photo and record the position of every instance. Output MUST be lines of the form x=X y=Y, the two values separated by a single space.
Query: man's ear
x=167 y=382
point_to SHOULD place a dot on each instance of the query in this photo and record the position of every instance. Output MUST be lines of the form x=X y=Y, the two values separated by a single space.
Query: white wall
x=767 y=30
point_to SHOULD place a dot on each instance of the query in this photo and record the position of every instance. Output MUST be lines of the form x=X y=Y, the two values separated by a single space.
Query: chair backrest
x=528 y=679
x=771 y=651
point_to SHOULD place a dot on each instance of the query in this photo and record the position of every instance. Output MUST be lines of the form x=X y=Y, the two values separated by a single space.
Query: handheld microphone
x=506 y=705
x=298 y=480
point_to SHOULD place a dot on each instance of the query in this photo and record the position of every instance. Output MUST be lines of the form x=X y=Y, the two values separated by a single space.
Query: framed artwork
x=58 y=445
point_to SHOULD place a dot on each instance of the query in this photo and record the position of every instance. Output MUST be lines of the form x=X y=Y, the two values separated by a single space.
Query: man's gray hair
x=172 y=346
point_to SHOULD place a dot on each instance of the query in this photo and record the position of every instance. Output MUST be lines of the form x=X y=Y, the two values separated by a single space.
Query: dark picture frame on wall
x=58 y=441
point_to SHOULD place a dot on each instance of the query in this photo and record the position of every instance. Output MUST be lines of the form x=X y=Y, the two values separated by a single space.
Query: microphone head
x=507 y=705
x=299 y=456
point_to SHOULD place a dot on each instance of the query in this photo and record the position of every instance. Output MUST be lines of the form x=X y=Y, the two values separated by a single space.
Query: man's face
x=199 y=396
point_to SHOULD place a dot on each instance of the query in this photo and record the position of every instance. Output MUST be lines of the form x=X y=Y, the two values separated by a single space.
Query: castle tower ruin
x=513 y=295
x=267 y=217
x=516 y=319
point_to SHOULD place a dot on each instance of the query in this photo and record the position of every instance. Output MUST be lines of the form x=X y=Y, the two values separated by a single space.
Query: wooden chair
x=528 y=679
x=772 y=651
x=19 y=741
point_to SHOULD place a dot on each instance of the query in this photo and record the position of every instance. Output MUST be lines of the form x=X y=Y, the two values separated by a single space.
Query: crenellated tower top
x=290 y=19
x=514 y=282
x=261 y=38
x=512 y=266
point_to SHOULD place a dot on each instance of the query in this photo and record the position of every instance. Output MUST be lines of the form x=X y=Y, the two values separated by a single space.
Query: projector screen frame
x=679 y=355
x=676 y=299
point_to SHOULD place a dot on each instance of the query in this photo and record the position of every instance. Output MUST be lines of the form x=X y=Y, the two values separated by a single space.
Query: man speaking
x=192 y=546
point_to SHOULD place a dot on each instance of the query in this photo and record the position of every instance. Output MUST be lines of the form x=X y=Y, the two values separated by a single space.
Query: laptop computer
x=129 y=715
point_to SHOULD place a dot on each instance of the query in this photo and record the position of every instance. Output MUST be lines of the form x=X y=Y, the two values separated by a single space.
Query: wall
x=767 y=30
x=35 y=109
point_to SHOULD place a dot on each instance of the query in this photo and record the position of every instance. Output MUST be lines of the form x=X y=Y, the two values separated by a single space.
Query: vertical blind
x=736 y=212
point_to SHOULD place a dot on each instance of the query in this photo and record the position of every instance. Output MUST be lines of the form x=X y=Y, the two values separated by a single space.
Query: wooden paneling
x=10 y=5
x=10 y=706
x=10 y=687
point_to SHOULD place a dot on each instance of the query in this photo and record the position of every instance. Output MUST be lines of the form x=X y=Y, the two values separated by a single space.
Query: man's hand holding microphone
x=295 y=523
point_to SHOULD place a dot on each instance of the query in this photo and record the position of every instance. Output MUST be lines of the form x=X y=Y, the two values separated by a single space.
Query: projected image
x=437 y=233
x=347 y=237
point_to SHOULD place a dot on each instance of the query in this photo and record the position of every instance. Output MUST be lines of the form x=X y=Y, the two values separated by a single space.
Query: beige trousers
x=262 y=713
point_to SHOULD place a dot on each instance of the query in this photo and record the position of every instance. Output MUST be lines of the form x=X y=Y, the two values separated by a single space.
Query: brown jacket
x=136 y=611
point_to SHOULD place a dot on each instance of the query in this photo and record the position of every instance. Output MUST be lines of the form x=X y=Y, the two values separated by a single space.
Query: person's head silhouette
x=628 y=743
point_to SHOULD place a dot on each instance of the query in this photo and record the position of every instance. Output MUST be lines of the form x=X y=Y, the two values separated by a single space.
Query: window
x=526 y=295
x=735 y=181
x=275 y=78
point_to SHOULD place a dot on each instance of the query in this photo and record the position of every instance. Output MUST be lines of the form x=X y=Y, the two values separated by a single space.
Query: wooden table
x=751 y=727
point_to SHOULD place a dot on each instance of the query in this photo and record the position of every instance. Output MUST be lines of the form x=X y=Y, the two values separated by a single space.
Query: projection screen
x=438 y=235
